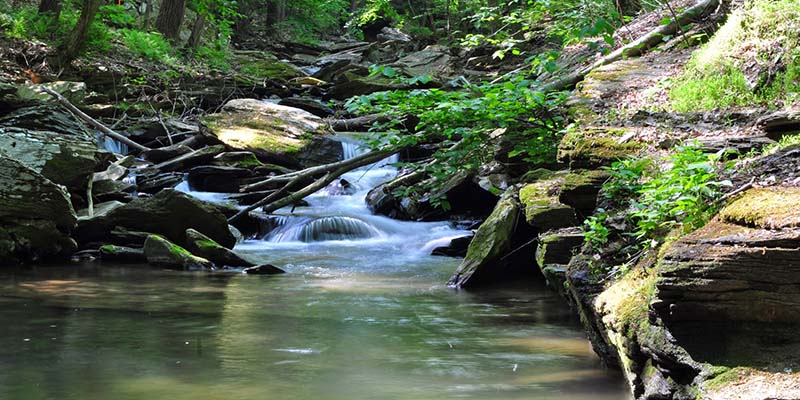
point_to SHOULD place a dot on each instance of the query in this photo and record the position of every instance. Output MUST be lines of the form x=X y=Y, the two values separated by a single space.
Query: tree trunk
x=69 y=49
x=197 y=32
x=148 y=12
x=170 y=18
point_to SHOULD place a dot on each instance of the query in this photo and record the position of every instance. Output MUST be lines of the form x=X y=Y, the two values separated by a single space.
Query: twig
x=93 y=122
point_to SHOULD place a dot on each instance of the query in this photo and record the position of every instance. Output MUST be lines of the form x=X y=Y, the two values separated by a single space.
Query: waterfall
x=112 y=145
x=324 y=229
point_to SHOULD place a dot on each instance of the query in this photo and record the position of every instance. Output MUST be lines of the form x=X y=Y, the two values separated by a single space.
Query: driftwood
x=93 y=122
x=638 y=46
x=355 y=124
x=314 y=172
x=329 y=172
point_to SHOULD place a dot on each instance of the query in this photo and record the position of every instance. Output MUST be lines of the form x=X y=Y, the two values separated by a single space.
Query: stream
x=363 y=313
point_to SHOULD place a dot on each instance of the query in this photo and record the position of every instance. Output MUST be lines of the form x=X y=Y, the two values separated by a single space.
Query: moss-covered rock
x=771 y=207
x=110 y=252
x=580 y=189
x=163 y=253
x=239 y=159
x=482 y=263
x=543 y=210
x=592 y=148
x=204 y=246
x=277 y=134
x=255 y=67
x=169 y=213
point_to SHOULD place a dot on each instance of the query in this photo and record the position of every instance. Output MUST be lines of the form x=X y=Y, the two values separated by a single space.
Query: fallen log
x=330 y=172
x=356 y=124
x=93 y=122
x=313 y=172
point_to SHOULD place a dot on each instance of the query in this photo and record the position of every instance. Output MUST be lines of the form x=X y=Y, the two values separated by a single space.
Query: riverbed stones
x=169 y=213
x=212 y=178
x=205 y=247
x=263 y=269
x=276 y=134
x=163 y=253
x=110 y=252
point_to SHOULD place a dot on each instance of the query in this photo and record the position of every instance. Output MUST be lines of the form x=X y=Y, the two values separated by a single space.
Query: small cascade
x=324 y=229
x=112 y=145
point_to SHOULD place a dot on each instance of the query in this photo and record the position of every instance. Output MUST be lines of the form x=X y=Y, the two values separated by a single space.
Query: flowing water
x=361 y=314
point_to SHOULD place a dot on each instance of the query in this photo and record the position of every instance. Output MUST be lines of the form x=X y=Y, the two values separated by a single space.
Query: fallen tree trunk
x=313 y=172
x=355 y=124
x=330 y=172
x=638 y=46
x=93 y=122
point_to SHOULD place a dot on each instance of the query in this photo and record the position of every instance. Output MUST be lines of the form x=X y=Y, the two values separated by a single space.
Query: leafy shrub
x=213 y=57
x=117 y=16
x=150 y=45
x=655 y=202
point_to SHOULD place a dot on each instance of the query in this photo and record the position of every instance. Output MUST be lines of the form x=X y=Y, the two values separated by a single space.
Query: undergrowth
x=656 y=201
x=761 y=38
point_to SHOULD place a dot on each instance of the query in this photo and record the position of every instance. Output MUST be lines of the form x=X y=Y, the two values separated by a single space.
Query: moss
x=537 y=174
x=773 y=207
x=625 y=304
x=724 y=376
x=264 y=66
x=255 y=132
x=594 y=147
x=109 y=248
x=580 y=179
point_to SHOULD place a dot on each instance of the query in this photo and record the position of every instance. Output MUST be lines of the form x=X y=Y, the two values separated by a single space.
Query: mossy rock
x=580 y=189
x=163 y=253
x=257 y=66
x=558 y=247
x=275 y=133
x=239 y=159
x=771 y=208
x=492 y=240
x=592 y=148
x=112 y=252
x=205 y=247
x=543 y=210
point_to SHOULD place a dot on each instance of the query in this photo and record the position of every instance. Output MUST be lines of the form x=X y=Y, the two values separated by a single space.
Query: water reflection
x=112 y=332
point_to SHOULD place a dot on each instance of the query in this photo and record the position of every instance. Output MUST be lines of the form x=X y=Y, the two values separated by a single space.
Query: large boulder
x=277 y=134
x=163 y=253
x=68 y=160
x=433 y=61
x=543 y=210
x=37 y=215
x=488 y=255
x=169 y=213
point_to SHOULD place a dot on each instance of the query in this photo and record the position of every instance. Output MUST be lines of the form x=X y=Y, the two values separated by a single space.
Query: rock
x=155 y=183
x=112 y=252
x=264 y=269
x=277 y=134
x=769 y=208
x=68 y=160
x=388 y=33
x=543 y=210
x=340 y=187
x=461 y=192
x=457 y=247
x=43 y=117
x=309 y=104
x=592 y=148
x=205 y=247
x=169 y=213
x=162 y=154
x=259 y=65
x=37 y=215
x=123 y=237
x=580 y=188
x=558 y=247
x=163 y=253
x=99 y=210
x=107 y=190
x=209 y=178
x=238 y=159
x=433 y=61
x=493 y=240
x=75 y=92
x=360 y=86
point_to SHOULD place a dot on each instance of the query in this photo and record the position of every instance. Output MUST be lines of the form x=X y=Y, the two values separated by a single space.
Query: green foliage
x=760 y=35
x=308 y=19
x=215 y=58
x=474 y=117
x=150 y=45
x=655 y=202
x=372 y=11
x=116 y=15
